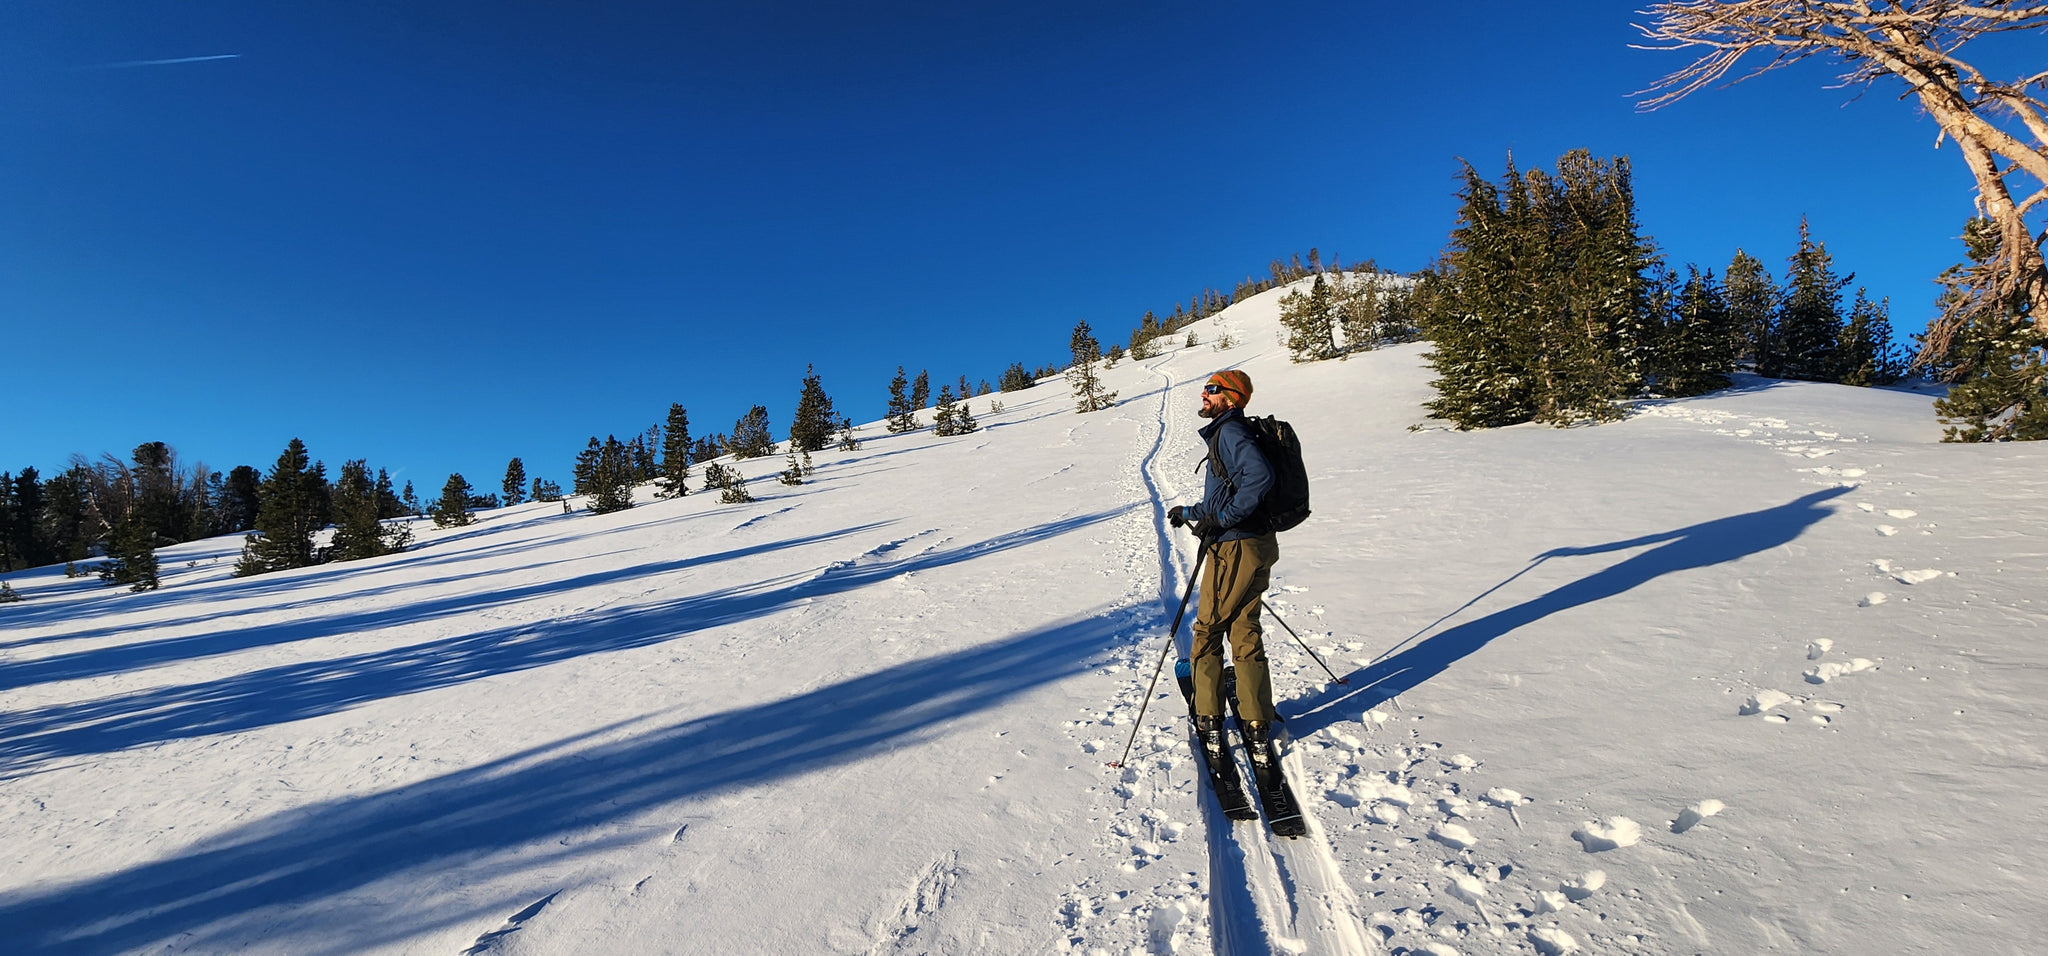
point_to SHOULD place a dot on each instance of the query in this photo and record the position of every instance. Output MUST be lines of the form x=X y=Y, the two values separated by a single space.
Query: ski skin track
x=1267 y=894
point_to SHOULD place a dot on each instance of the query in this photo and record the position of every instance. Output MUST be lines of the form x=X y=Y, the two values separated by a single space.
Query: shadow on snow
x=1702 y=545
x=305 y=689
x=219 y=892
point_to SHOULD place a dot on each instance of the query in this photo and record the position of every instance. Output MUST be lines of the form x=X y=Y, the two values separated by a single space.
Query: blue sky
x=438 y=235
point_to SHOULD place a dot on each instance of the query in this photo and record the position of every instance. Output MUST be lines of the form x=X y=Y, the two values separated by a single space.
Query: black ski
x=1276 y=798
x=1223 y=780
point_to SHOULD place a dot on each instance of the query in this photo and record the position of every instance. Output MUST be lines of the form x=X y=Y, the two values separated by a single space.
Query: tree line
x=1551 y=305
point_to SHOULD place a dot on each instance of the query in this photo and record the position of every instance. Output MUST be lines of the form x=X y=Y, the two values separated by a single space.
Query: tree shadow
x=101 y=662
x=1697 y=546
x=289 y=692
x=221 y=893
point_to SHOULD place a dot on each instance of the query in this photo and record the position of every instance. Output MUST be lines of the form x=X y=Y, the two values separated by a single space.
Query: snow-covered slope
x=1759 y=671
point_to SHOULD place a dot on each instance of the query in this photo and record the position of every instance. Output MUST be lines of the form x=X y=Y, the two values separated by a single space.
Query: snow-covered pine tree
x=1752 y=297
x=810 y=427
x=1089 y=395
x=294 y=504
x=963 y=419
x=1809 y=321
x=942 y=416
x=1868 y=355
x=793 y=473
x=1310 y=319
x=734 y=489
x=1699 y=347
x=1998 y=359
x=899 y=416
x=452 y=509
x=750 y=438
x=1484 y=334
x=675 y=455
x=515 y=482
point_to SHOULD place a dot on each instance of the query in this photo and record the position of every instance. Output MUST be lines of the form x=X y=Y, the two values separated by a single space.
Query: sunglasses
x=1214 y=389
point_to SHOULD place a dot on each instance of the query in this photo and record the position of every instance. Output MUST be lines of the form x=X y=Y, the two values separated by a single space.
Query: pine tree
x=963 y=419
x=131 y=553
x=388 y=503
x=846 y=440
x=7 y=595
x=810 y=428
x=359 y=531
x=515 y=482
x=675 y=455
x=900 y=416
x=1868 y=355
x=612 y=479
x=1017 y=378
x=732 y=489
x=794 y=473
x=1089 y=395
x=1700 y=350
x=1311 y=322
x=545 y=490
x=1998 y=360
x=294 y=504
x=1483 y=336
x=1809 y=322
x=1752 y=297
x=452 y=510
x=942 y=417
x=583 y=476
x=920 y=391
x=750 y=438
x=410 y=499
x=29 y=544
x=717 y=476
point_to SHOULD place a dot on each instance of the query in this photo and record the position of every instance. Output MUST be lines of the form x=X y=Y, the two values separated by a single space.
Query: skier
x=1239 y=570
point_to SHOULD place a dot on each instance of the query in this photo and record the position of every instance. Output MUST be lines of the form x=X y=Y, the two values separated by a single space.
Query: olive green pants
x=1232 y=587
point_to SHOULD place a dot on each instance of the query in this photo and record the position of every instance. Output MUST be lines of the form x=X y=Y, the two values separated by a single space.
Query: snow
x=872 y=714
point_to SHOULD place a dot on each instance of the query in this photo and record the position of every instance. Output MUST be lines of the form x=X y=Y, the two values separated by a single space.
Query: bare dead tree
x=2000 y=127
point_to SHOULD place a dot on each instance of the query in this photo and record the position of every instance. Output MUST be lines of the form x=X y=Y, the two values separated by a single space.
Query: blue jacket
x=1238 y=453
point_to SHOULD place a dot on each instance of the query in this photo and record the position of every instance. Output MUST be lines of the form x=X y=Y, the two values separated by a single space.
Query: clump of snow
x=1691 y=816
x=1614 y=834
x=1764 y=700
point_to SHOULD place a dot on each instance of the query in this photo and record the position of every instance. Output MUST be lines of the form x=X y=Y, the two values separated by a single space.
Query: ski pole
x=1156 y=668
x=1304 y=644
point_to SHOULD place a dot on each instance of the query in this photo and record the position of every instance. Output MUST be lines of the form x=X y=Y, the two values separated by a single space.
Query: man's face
x=1214 y=403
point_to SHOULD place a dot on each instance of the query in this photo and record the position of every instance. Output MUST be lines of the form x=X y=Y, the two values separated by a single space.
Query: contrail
x=182 y=59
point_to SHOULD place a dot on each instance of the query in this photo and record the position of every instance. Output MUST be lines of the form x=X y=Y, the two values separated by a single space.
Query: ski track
x=1262 y=893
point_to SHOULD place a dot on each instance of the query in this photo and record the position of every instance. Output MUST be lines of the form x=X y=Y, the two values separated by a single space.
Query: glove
x=1203 y=529
x=1176 y=516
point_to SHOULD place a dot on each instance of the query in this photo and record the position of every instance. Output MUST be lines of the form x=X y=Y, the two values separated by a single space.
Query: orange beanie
x=1232 y=380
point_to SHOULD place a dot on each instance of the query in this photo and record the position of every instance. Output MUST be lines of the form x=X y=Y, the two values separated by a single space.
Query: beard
x=1211 y=411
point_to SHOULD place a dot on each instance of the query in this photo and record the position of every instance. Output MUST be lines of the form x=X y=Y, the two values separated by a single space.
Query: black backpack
x=1286 y=503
